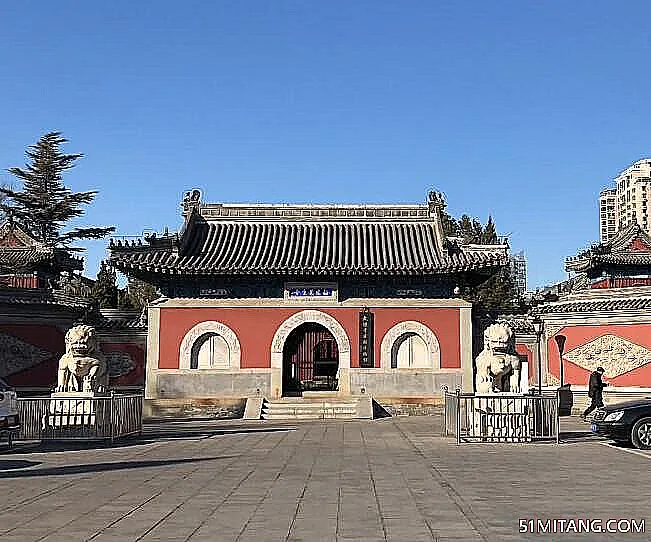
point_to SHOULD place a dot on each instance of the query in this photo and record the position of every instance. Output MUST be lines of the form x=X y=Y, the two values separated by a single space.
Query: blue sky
x=520 y=110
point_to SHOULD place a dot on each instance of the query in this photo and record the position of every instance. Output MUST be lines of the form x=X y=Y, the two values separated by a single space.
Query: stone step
x=312 y=400
x=347 y=412
x=291 y=408
x=292 y=411
x=311 y=416
x=313 y=406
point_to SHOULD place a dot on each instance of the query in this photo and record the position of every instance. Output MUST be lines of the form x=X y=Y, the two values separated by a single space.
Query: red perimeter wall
x=50 y=338
x=578 y=335
x=255 y=328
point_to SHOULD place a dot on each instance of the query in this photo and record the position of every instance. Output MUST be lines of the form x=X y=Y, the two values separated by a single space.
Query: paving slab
x=393 y=480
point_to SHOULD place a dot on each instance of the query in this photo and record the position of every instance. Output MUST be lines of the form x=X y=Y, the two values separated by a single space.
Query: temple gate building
x=276 y=300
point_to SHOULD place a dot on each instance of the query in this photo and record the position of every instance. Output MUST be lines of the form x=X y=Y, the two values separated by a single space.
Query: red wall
x=19 y=281
x=50 y=338
x=135 y=377
x=255 y=328
x=579 y=335
x=524 y=350
x=443 y=322
x=621 y=282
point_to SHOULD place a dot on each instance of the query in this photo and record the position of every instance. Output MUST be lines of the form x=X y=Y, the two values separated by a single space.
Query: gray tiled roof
x=595 y=305
x=318 y=245
x=133 y=324
x=112 y=319
x=28 y=296
x=518 y=323
x=19 y=258
x=631 y=258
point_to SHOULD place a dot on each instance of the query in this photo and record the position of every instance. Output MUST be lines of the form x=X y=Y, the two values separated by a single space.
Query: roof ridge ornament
x=436 y=201
x=436 y=205
x=191 y=202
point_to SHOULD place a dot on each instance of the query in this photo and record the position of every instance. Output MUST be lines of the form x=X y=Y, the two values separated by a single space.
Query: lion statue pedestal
x=504 y=416
x=500 y=409
x=81 y=377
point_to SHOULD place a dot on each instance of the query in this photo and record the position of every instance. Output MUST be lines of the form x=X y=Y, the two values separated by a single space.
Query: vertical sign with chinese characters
x=366 y=347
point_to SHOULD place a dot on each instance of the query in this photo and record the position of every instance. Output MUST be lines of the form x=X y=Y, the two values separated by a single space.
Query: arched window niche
x=210 y=345
x=409 y=351
x=410 y=345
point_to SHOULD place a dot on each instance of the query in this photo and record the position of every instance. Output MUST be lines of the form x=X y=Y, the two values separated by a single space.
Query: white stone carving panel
x=17 y=355
x=615 y=354
x=119 y=363
x=551 y=380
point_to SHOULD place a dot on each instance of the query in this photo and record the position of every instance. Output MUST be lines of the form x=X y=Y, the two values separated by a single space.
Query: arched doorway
x=310 y=360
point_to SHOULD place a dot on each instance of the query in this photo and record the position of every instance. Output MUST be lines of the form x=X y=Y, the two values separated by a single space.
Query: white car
x=9 y=419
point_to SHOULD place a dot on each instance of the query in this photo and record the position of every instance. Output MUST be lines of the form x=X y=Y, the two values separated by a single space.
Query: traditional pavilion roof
x=630 y=247
x=232 y=239
x=20 y=252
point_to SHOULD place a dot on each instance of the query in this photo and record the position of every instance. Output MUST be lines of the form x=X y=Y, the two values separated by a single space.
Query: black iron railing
x=62 y=417
x=500 y=417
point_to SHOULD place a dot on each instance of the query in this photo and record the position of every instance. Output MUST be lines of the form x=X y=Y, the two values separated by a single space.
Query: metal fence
x=501 y=418
x=62 y=417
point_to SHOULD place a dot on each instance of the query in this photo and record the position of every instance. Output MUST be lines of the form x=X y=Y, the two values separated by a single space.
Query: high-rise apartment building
x=519 y=272
x=607 y=219
x=628 y=202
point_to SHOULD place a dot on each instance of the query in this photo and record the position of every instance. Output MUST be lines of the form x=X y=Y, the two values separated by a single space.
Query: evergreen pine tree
x=140 y=293
x=489 y=235
x=466 y=231
x=124 y=300
x=45 y=204
x=450 y=226
x=3 y=197
x=496 y=293
x=477 y=231
x=105 y=289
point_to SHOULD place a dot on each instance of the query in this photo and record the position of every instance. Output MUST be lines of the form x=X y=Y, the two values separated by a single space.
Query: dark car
x=625 y=422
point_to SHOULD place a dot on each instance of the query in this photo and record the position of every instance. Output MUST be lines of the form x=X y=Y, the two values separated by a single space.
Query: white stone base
x=73 y=409
x=503 y=416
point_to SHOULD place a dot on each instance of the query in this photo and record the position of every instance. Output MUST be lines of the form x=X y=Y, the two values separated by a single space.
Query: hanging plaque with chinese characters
x=311 y=292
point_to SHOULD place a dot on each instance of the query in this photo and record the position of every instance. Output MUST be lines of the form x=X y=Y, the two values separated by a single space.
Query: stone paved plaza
x=394 y=480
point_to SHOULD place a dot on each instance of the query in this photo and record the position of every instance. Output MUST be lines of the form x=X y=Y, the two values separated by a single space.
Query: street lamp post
x=560 y=342
x=538 y=327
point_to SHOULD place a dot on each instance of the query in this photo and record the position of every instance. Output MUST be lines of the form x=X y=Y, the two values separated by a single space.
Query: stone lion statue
x=82 y=367
x=498 y=367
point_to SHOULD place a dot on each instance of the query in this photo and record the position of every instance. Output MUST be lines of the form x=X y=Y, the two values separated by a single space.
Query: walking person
x=595 y=391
